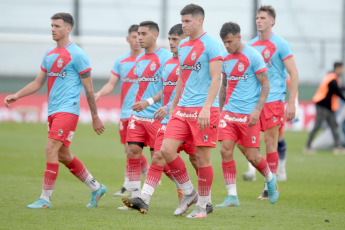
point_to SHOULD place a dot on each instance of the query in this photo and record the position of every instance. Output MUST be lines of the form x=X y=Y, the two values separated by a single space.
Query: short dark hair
x=337 y=65
x=229 y=28
x=150 y=24
x=66 y=17
x=269 y=9
x=176 y=29
x=133 y=28
x=193 y=9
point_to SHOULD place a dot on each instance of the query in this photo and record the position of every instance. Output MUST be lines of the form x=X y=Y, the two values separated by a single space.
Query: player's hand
x=10 y=99
x=97 y=96
x=160 y=113
x=171 y=111
x=98 y=125
x=204 y=118
x=254 y=117
x=290 y=112
x=140 y=106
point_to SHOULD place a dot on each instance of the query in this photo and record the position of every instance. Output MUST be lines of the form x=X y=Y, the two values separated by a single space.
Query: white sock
x=46 y=194
x=134 y=188
x=146 y=193
x=251 y=168
x=177 y=185
x=187 y=187
x=232 y=191
x=92 y=183
x=268 y=178
x=125 y=184
x=202 y=201
x=281 y=166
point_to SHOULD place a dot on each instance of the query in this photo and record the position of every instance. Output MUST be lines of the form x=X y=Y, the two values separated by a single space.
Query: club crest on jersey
x=193 y=56
x=225 y=66
x=121 y=69
x=267 y=53
x=153 y=66
x=241 y=67
x=60 y=63
x=205 y=138
x=60 y=132
x=253 y=139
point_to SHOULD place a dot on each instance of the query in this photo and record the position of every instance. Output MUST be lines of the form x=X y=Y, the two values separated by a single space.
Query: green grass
x=312 y=198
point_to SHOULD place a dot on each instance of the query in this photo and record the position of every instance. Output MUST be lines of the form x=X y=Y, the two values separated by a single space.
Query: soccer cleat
x=136 y=203
x=264 y=195
x=229 y=201
x=96 y=195
x=281 y=176
x=123 y=192
x=209 y=208
x=187 y=201
x=198 y=212
x=249 y=176
x=273 y=192
x=40 y=203
x=124 y=208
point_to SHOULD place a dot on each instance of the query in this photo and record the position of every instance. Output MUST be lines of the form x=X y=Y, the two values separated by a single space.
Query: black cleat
x=264 y=195
x=209 y=208
x=136 y=203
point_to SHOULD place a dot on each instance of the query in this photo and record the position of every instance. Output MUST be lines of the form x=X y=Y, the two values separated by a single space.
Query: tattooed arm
x=265 y=89
x=90 y=96
x=222 y=92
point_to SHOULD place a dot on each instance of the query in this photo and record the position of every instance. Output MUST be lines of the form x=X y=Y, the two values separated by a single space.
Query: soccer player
x=195 y=109
x=66 y=68
x=278 y=56
x=242 y=96
x=123 y=70
x=158 y=165
x=142 y=127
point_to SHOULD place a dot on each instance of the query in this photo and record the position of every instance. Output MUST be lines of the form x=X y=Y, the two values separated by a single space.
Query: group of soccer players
x=173 y=101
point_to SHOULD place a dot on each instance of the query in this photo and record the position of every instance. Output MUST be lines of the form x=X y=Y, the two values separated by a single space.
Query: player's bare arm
x=291 y=68
x=204 y=115
x=265 y=89
x=141 y=105
x=177 y=94
x=107 y=88
x=160 y=113
x=87 y=83
x=30 y=88
x=222 y=92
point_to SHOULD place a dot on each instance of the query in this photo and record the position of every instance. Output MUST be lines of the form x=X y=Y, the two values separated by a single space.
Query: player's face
x=174 y=40
x=264 y=21
x=133 y=40
x=190 y=24
x=147 y=37
x=233 y=43
x=60 y=29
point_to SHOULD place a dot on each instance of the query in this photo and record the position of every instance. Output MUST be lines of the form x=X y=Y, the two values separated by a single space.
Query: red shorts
x=281 y=129
x=123 y=130
x=234 y=126
x=142 y=129
x=272 y=114
x=61 y=127
x=183 y=125
x=187 y=146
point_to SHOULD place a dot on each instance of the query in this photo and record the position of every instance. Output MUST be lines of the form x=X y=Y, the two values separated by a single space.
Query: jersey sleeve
x=44 y=63
x=214 y=51
x=116 y=68
x=82 y=64
x=285 y=50
x=258 y=62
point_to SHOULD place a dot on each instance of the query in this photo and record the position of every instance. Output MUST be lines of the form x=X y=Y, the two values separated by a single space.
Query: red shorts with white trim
x=183 y=125
x=61 y=127
x=234 y=126
x=142 y=129
x=187 y=146
x=272 y=114
x=123 y=130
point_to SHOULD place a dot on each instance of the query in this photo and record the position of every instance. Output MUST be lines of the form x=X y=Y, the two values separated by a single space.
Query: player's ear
x=200 y=20
x=127 y=39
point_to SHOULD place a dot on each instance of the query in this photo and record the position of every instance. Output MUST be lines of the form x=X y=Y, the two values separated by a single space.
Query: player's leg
x=281 y=171
x=229 y=173
x=320 y=116
x=134 y=167
x=260 y=163
x=333 y=125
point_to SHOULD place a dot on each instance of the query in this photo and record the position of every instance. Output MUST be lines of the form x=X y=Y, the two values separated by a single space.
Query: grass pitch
x=312 y=198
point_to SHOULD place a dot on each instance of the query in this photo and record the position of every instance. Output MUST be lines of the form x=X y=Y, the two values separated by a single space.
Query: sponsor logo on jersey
x=237 y=78
x=193 y=56
x=196 y=67
x=241 y=67
x=70 y=136
x=169 y=83
x=144 y=119
x=60 y=63
x=131 y=124
x=236 y=119
x=222 y=123
x=187 y=115
x=153 y=66
x=269 y=63
x=53 y=74
x=149 y=79
x=129 y=80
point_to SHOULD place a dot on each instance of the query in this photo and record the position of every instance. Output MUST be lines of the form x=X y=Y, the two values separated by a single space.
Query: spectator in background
x=326 y=100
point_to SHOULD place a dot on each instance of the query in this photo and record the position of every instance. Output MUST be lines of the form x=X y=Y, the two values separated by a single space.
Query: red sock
x=262 y=167
x=154 y=175
x=167 y=172
x=229 y=172
x=272 y=161
x=205 y=179
x=50 y=175
x=134 y=169
x=144 y=165
x=197 y=172
x=77 y=168
x=178 y=170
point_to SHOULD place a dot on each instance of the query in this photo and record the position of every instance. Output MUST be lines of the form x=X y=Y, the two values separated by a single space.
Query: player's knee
x=194 y=161
x=158 y=159
x=226 y=153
